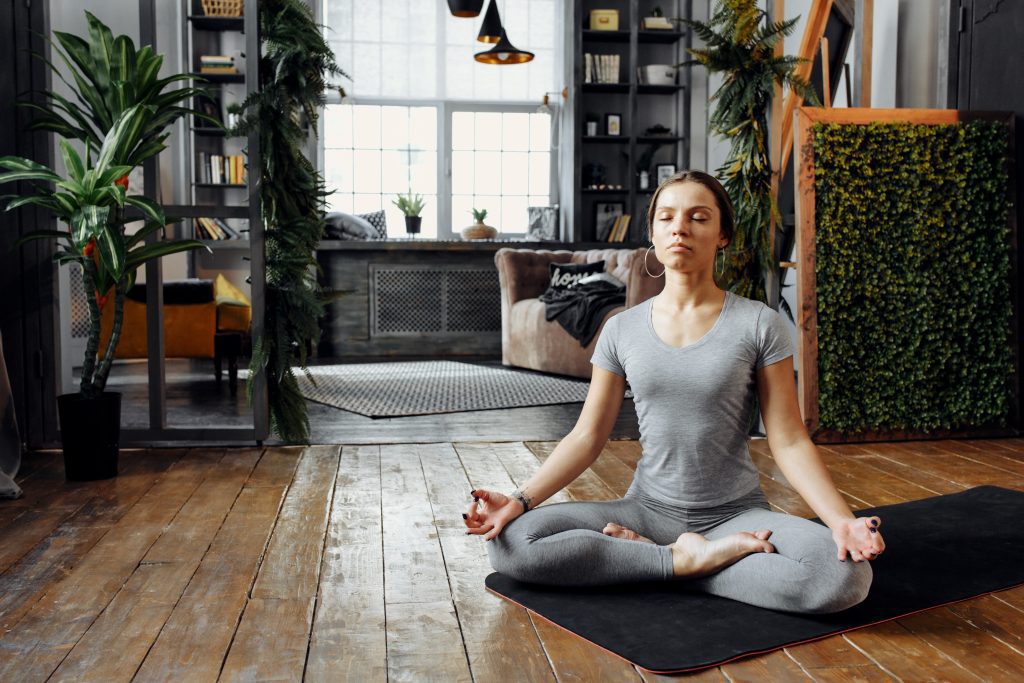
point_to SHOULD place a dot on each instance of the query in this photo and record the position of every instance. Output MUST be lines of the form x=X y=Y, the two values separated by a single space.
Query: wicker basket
x=223 y=8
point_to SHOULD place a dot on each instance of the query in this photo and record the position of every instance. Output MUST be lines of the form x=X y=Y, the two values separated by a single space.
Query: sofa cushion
x=379 y=221
x=538 y=344
x=566 y=275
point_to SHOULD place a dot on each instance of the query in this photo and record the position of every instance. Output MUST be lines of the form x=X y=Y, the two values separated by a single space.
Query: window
x=426 y=117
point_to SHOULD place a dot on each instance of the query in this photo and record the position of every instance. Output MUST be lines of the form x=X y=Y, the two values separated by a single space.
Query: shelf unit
x=228 y=201
x=639 y=105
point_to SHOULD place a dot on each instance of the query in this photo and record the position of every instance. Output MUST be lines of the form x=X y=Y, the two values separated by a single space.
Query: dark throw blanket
x=580 y=309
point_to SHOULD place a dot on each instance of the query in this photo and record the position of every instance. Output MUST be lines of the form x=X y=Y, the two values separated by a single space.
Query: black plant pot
x=90 y=431
x=412 y=224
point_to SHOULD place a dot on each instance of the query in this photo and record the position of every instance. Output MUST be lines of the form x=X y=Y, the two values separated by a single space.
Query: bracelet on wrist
x=523 y=499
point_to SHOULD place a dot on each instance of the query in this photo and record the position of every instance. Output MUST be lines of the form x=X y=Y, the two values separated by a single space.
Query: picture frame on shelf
x=613 y=124
x=663 y=172
x=605 y=215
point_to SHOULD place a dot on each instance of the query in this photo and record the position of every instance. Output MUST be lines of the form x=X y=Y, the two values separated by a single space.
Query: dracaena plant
x=90 y=200
x=107 y=76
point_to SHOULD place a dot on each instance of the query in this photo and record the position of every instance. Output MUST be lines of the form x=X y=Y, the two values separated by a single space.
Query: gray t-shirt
x=694 y=403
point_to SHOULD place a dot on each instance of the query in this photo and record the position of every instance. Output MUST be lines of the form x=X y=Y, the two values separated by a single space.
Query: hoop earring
x=646 y=254
x=718 y=273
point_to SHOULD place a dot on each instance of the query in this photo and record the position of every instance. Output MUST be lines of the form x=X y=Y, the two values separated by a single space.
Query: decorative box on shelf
x=223 y=8
x=604 y=20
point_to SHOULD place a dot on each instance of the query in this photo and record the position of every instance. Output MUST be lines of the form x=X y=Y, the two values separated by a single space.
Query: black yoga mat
x=938 y=551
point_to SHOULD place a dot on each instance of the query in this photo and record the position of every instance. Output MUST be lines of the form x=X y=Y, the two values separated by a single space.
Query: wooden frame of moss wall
x=908 y=278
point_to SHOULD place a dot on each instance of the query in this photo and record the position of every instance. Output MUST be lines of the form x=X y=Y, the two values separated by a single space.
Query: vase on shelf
x=479 y=231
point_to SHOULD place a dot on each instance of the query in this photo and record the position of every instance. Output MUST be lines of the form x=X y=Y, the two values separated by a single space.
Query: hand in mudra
x=860 y=538
x=490 y=512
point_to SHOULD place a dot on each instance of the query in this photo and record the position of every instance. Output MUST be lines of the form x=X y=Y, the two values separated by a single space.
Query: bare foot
x=694 y=556
x=619 y=531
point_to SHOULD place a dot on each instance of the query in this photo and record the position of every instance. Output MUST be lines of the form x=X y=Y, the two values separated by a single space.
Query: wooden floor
x=350 y=563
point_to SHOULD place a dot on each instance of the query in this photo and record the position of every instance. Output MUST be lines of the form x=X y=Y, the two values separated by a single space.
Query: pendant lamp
x=503 y=53
x=490 y=29
x=465 y=8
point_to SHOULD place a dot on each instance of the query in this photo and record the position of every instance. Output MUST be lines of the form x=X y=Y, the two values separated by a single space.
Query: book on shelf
x=619 y=229
x=215 y=229
x=220 y=169
x=601 y=68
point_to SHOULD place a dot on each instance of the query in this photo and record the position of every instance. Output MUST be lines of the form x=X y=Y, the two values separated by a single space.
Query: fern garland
x=739 y=42
x=295 y=62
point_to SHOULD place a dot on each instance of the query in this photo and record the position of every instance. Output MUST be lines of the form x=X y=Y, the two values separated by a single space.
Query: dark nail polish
x=465 y=516
x=473 y=493
x=874 y=531
x=476 y=499
x=874 y=522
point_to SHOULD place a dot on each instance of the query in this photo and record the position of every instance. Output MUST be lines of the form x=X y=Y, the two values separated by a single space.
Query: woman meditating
x=694 y=356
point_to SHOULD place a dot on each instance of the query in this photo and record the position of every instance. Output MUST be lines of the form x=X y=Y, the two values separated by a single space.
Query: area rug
x=432 y=387
x=938 y=551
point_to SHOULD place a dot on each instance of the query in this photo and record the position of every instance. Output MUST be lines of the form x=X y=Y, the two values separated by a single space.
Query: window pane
x=462 y=172
x=338 y=126
x=463 y=134
x=540 y=132
x=366 y=171
x=488 y=130
x=487 y=174
x=366 y=126
x=394 y=123
x=515 y=171
x=461 y=214
x=513 y=215
x=367 y=203
x=423 y=172
x=423 y=128
x=540 y=173
x=394 y=171
x=515 y=132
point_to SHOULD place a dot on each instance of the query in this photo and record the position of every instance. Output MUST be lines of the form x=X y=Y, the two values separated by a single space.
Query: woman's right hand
x=490 y=512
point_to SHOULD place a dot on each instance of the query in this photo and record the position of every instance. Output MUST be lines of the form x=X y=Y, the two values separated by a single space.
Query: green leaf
x=88 y=222
x=150 y=209
x=148 y=252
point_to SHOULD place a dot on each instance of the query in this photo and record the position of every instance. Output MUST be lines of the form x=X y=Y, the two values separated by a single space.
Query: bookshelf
x=624 y=112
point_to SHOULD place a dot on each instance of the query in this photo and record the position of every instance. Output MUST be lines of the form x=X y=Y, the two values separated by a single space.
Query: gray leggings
x=562 y=544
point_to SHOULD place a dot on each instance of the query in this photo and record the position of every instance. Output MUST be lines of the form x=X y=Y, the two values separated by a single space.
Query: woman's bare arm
x=491 y=510
x=799 y=460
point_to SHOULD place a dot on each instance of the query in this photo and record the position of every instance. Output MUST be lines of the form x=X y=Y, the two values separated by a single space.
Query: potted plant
x=411 y=206
x=91 y=201
x=479 y=231
x=121 y=107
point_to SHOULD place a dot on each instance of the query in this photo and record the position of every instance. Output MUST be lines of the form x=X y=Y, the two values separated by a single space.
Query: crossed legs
x=585 y=544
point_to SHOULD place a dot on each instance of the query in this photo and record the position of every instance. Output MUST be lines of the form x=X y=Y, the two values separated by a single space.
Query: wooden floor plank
x=54 y=624
x=24 y=583
x=497 y=634
x=47 y=511
x=286 y=587
x=117 y=642
x=905 y=655
x=348 y=640
x=973 y=649
x=520 y=464
x=196 y=637
x=774 y=666
x=424 y=640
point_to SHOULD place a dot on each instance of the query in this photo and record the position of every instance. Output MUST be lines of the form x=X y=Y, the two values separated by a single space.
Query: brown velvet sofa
x=530 y=341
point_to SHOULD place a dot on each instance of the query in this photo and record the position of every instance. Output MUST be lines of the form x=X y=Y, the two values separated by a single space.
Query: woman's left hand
x=859 y=537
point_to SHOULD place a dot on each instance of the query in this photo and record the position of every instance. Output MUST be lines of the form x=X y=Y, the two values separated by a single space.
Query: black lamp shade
x=465 y=8
x=503 y=53
x=490 y=29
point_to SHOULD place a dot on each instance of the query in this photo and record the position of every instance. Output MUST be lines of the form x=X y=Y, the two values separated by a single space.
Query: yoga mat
x=938 y=551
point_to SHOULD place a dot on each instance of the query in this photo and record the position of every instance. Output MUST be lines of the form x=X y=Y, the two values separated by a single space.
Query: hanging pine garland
x=295 y=62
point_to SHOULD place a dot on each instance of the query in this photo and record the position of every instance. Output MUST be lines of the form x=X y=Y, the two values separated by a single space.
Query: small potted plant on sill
x=411 y=205
x=91 y=201
x=479 y=231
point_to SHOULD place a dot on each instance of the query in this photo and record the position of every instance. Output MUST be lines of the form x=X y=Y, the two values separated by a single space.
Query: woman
x=693 y=355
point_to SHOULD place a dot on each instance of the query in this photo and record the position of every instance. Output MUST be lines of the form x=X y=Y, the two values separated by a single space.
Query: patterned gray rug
x=431 y=387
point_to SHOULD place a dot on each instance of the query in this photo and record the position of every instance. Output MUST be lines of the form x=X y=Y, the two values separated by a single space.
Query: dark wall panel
x=27 y=276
